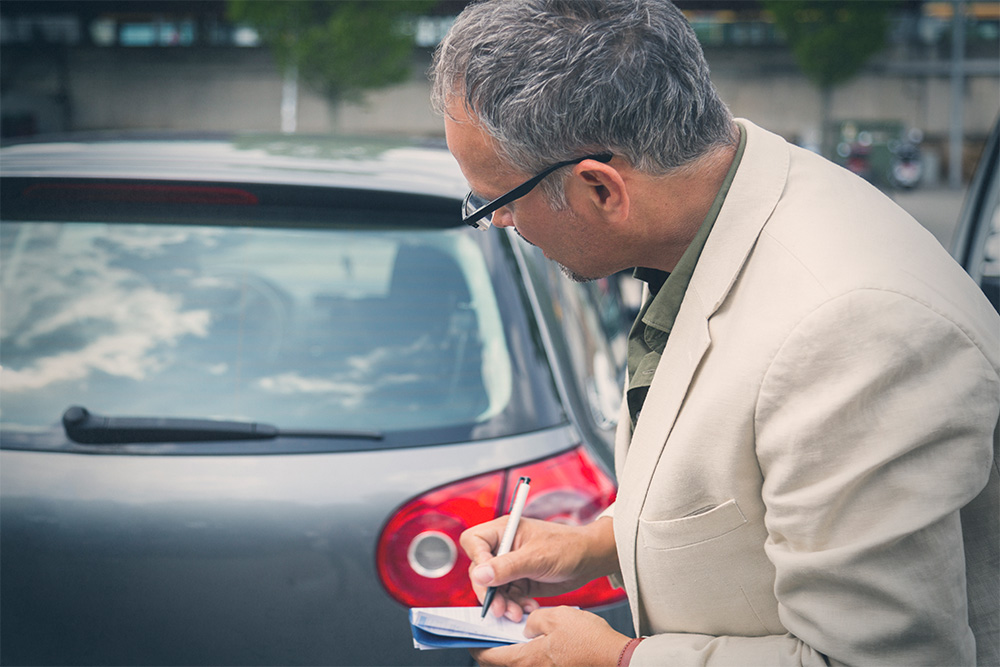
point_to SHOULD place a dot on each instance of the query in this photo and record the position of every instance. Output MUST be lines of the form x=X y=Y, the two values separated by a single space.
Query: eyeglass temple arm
x=530 y=184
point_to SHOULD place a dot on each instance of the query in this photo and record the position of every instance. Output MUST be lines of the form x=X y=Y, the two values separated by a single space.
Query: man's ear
x=604 y=188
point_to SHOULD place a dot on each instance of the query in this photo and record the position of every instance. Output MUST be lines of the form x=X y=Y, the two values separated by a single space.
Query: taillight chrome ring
x=432 y=554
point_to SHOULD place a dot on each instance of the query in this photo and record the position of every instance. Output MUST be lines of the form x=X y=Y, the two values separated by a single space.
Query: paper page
x=466 y=622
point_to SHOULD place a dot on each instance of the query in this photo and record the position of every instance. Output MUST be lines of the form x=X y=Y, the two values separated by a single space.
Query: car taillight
x=418 y=557
x=421 y=563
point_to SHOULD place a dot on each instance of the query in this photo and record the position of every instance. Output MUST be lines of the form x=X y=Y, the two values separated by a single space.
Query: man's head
x=550 y=80
x=527 y=84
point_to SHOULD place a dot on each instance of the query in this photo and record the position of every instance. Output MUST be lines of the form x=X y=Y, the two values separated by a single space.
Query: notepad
x=462 y=627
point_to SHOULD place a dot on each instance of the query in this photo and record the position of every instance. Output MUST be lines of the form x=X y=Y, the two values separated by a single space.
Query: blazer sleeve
x=874 y=427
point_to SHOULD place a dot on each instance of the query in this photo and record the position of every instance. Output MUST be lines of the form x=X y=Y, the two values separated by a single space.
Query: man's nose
x=503 y=218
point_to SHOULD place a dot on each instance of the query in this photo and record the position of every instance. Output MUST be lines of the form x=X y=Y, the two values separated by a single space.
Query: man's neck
x=678 y=204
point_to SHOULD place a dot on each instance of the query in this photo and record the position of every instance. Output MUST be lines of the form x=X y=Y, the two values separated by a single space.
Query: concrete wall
x=218 y=89
x=222 y=89
x=787 y=102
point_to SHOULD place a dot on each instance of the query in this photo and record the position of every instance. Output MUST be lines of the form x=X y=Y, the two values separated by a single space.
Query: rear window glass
x=388 y=330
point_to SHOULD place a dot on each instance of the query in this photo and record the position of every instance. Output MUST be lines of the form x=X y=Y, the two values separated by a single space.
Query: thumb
x=500 y=570
x=483 y=574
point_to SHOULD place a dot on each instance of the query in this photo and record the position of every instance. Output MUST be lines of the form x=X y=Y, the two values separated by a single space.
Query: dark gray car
x=976 y=242
x=252 y=391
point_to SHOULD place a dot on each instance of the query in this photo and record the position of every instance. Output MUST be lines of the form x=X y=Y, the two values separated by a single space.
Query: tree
x=831 y=41
x=341 y=48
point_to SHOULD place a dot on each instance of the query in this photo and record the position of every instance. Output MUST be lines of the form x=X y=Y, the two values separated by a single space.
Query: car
x=254 y=387
x=976 y=241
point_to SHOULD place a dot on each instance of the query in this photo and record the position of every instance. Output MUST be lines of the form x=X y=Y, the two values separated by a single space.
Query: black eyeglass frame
x=476 y=218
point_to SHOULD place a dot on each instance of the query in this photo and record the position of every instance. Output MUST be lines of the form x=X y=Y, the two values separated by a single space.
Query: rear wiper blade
x=88 y=428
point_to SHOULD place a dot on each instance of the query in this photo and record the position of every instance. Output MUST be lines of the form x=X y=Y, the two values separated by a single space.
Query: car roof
x=417 y=167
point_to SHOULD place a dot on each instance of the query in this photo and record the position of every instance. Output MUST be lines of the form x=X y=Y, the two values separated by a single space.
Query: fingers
x=502 y=606
x=542 y=621
x=516 y=610
x=518 y=601
x=479 y=542
x=559 y=635
x=511 y=573
x=481 y=577
x=513 y=605
x=511 y=600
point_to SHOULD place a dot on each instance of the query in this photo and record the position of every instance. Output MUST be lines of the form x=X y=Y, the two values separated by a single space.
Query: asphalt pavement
x=937 y=209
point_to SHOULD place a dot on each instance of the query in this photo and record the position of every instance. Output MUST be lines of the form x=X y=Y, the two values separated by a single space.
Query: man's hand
x=546 y=559
x=561 y=636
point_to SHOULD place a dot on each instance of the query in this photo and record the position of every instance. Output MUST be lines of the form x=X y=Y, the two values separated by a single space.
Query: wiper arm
x=85 y=427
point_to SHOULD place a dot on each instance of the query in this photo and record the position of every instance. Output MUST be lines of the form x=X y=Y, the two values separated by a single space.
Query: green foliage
x=832 y=39
x=340 y=47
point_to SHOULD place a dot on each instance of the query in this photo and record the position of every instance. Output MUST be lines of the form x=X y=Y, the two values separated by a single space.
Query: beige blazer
x=826 y=405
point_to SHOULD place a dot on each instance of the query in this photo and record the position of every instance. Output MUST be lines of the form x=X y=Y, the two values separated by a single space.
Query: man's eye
x=477 y=202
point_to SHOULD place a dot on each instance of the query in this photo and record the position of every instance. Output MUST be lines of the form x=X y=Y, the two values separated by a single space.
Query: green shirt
x=652 y=326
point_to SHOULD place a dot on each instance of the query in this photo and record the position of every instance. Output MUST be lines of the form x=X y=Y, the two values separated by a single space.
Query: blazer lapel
x=752 y=197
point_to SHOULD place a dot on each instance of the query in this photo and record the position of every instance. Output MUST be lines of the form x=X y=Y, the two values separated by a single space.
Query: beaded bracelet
x=626 y=655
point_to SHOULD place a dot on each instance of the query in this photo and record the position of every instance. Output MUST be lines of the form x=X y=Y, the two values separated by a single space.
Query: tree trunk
x=827 y=139
x=290 y=100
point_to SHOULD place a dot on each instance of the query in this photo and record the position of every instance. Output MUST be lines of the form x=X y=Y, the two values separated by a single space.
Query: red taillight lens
x=571 y=489
x=418 y=557
x=422 y=565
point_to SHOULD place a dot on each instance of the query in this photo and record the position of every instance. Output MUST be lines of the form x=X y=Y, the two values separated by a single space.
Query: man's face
x=561 y=234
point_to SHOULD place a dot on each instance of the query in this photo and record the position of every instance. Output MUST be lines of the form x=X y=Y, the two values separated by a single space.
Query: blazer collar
x=759 y=182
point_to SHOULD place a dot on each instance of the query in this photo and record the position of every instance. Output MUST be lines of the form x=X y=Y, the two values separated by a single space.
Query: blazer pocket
x=701 y=527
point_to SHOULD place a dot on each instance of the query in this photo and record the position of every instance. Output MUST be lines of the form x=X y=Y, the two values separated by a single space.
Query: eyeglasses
x=478 y=213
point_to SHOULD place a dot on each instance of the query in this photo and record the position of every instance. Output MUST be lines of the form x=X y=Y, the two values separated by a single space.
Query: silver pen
x=516 y=507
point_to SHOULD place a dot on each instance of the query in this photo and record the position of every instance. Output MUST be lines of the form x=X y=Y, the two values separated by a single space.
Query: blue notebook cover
x=462 y=627
x=426 y=640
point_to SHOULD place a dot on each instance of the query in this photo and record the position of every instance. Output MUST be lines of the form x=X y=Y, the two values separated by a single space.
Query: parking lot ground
x=937 y=209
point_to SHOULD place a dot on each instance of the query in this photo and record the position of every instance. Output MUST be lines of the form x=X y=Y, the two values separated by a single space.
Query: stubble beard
x=574 y=276
x=566 y=271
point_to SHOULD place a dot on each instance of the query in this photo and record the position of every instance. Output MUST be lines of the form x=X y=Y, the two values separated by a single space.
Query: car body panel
x=216 y=559
x=374 y=165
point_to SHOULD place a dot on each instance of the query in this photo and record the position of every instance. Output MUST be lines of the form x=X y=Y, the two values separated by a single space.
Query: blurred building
x=69 y=65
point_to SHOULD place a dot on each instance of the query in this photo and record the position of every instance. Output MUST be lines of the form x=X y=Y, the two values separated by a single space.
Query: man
x=813 y=388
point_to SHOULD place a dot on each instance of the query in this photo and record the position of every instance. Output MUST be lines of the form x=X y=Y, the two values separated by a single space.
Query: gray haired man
x=810 y=417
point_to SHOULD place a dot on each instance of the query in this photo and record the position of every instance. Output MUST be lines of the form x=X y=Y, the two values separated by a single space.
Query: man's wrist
x=601 y=551
x=625 y=657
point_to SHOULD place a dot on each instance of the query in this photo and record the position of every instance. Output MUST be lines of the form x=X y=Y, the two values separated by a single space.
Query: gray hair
x=551 y=80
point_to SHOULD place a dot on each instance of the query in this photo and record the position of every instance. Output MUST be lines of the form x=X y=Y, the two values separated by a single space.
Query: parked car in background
x=253 y=390
x=976 y=241
x=884 y=152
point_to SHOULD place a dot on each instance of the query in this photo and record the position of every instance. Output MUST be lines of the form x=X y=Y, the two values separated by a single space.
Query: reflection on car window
x=991 y=245
x=303 y=328
x=592 y=324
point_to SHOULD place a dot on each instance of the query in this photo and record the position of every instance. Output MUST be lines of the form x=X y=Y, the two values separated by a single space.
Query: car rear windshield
x=413 y=330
